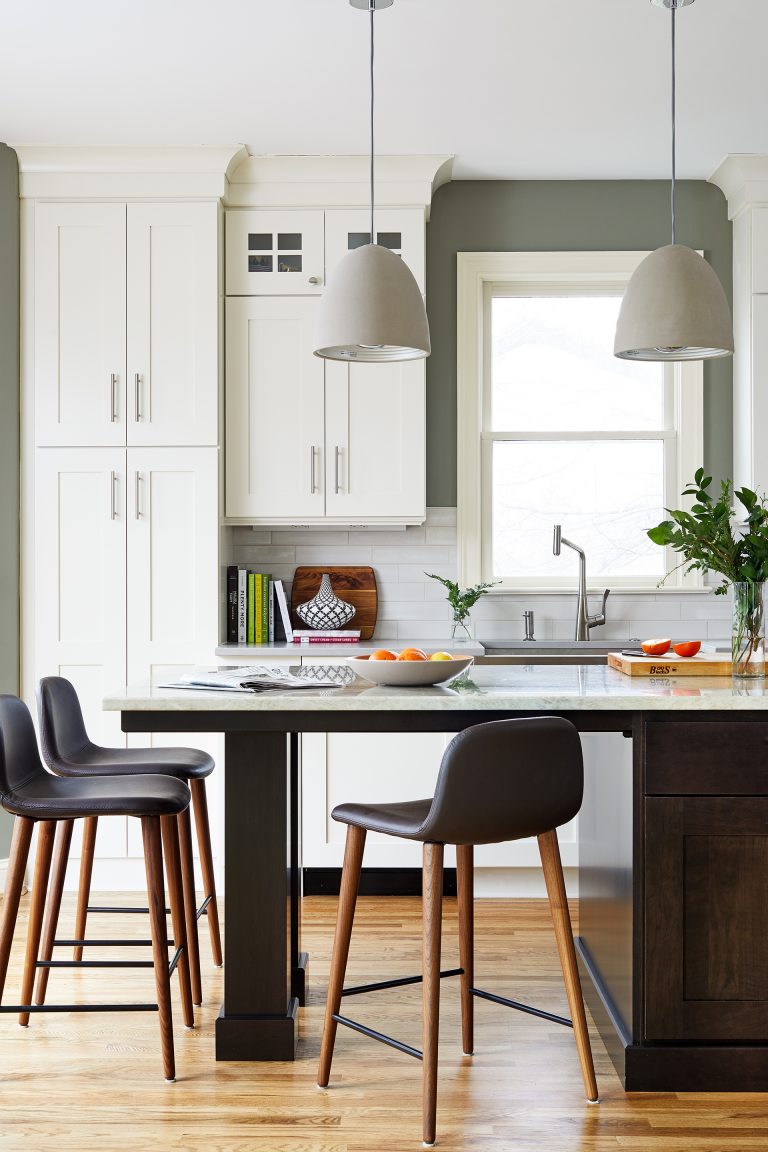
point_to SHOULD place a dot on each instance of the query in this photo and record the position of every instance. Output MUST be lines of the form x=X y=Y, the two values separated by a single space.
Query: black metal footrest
x=380 y=1036
x=118 y=908
x=203 y=909
x=78 y=1008
x=521 y=1007
x=94 y=964
x=105 y=944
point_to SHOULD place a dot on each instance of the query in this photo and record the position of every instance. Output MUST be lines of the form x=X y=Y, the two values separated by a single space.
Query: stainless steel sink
x=551 y=651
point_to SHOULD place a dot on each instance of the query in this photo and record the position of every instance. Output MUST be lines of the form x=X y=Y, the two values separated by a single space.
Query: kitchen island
x=673 y=921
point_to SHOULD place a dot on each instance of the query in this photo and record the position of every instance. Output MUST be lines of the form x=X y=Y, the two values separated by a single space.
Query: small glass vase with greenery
x=461 y=601
x=706 y=539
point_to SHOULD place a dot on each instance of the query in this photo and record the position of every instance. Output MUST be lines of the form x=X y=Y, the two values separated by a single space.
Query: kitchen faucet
x=583 y=620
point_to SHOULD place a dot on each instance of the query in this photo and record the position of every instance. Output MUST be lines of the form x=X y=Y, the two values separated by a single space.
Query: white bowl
x=409 y=673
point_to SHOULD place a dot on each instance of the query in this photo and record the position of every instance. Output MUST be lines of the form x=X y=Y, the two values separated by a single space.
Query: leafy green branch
x=705 y=537
x=461 y=601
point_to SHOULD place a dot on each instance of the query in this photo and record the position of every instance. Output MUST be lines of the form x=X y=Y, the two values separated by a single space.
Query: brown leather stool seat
x=504 y=780
x=68 y=751
x=33 y=796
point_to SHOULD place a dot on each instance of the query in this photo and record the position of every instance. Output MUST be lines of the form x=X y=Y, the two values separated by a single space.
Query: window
x=553 y=429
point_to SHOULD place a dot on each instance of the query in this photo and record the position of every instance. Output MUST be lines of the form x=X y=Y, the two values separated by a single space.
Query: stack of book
x=257 y=609
x=326 y=635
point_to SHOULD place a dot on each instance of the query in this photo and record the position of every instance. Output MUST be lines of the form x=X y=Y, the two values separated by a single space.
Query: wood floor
x=74 y=1082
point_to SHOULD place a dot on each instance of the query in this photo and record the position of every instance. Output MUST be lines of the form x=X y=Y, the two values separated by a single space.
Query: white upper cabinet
x=126 y=324
x=275 y=253
x=79 y=318
x=275 y=410
x=374 y=434
x=172 y=330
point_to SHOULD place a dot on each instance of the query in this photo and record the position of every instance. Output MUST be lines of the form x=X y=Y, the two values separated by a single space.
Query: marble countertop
x=511 y=688
x=253 y=653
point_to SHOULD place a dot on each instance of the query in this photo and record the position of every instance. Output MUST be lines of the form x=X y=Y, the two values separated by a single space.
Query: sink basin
x=551 y=651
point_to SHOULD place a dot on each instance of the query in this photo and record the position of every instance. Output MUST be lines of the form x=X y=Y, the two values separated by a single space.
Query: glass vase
x=748 y=635
x=460 y=629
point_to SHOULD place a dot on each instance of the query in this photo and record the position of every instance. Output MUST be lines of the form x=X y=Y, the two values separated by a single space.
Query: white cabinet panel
x=375 y=434
x=760 y=250
x=274 y=253
x=399 y=229
x=79 y=319
x=275 y=405
x=79 y=581
x=172 y=565
x=172 y=358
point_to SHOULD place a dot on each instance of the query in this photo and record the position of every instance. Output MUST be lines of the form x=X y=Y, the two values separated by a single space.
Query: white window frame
x=524 y=273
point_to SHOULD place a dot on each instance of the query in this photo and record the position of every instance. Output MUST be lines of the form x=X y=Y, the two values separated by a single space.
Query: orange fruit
x=687 y=647
x=383 y=654
x=412 y=654
x=655 y=647
x=441 y=656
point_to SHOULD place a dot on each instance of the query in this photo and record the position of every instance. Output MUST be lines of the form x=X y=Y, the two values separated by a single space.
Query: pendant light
x=373 y=309
x=674 y=307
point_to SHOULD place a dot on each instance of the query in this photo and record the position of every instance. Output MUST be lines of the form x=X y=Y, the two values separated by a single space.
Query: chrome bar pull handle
x=336 y=467
x=112 y=496
x=312 y=455
x=137 y=397
x=137 y=509
x=113 y=397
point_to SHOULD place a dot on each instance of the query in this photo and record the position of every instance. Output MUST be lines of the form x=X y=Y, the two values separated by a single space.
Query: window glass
x=553 y=368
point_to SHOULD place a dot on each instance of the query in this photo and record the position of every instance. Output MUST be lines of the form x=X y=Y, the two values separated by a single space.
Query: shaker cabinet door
x=79 y=321
x=172 y=300
x=275 y=410
x=274 y=253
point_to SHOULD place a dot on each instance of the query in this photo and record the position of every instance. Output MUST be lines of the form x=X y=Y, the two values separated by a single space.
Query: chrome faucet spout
x=583 y=620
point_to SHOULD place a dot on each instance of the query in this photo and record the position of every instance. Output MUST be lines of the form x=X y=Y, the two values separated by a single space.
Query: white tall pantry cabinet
x=122 y=373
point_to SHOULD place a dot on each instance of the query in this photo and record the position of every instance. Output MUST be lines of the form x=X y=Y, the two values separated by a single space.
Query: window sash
x=481 y=277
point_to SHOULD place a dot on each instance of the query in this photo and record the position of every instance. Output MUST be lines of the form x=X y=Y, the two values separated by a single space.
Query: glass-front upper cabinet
x=274 y=253
x=400 y=229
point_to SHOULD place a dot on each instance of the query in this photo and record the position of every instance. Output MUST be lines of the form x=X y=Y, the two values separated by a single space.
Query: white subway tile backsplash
x=411 y=606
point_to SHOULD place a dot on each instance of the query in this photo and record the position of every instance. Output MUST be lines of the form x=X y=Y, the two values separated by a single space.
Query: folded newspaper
x=253 y=678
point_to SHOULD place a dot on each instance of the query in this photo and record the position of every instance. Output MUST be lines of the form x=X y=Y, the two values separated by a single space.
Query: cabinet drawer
x=718 y=758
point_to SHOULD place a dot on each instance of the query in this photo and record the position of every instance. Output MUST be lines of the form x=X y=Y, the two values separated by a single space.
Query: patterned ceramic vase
x=325 y=610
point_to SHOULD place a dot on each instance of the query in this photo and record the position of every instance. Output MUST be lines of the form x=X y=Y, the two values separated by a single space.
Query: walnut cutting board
x=706 y=664
x=356 y=585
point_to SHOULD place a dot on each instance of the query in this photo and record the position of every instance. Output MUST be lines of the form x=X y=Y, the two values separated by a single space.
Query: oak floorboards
x=79 y=1082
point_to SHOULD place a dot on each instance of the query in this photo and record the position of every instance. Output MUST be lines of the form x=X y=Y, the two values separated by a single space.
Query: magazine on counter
x=252 y=678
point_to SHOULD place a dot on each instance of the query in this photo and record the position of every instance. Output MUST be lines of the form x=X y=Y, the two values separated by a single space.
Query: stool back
x=506 y=780
x=20 y=762
x=62 y=729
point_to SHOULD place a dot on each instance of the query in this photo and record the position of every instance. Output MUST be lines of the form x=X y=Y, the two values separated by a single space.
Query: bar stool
x=504 y=780
x=68 y=751
x=33 y=796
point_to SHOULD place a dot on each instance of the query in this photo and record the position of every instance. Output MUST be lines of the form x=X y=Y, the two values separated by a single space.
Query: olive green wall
x=9 y=437
x=499 y=216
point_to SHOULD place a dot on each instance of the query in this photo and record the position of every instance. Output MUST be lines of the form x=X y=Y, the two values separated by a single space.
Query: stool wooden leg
x=350 y=881
x=200 y=806
x=170 y=832
x=432 y=918
x=14 y=882
x=90 y=827
x=465 y=890
x=561 y=919
x=190 y=903
x=53 y=903
x=153 y=861
x=45 y=836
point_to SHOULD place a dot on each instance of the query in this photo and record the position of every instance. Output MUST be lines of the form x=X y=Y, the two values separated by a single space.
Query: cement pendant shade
x=674 y=307
x=372 y=309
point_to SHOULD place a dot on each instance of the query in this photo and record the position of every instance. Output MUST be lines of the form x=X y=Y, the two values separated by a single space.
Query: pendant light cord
x=673 y=189
x=372 y=9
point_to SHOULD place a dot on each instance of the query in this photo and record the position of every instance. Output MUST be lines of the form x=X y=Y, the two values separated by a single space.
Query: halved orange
x=655 y=647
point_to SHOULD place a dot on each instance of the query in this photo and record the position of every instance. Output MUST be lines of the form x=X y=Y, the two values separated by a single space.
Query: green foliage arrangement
x=461 y=601
x=705 y=536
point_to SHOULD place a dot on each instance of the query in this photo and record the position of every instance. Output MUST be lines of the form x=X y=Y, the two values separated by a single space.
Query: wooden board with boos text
x=356 y=585
x=705 y=664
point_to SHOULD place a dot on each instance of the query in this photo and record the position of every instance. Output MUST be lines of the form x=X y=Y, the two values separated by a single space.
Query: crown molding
x=743 y=179
x=336 y=181
x=57 y=172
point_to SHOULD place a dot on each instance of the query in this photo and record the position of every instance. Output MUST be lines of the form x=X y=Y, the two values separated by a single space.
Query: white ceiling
x=515 y=89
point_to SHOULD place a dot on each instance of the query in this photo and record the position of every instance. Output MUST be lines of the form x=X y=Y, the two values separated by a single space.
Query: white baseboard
x=4 y=876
